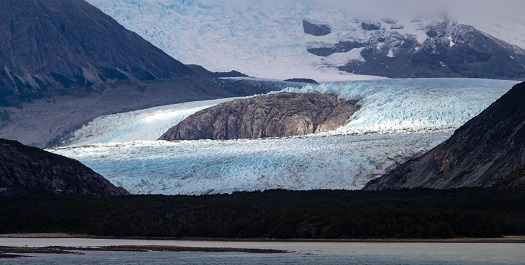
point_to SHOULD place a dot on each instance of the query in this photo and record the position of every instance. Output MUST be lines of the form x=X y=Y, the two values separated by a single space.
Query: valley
x=304 y=119
x=398 y=119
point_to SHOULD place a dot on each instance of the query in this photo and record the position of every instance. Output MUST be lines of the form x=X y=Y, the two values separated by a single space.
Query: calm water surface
x=303 y=253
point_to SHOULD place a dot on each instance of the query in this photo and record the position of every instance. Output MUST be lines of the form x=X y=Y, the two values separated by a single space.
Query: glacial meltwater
x=300 y=253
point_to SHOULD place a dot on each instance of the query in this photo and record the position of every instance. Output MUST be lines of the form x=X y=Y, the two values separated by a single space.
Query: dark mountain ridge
x=481 y=153
x=54 y=46
x=31 y=171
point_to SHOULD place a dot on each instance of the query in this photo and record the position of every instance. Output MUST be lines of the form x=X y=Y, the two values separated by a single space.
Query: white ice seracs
x=413 y=105
x=296 y=163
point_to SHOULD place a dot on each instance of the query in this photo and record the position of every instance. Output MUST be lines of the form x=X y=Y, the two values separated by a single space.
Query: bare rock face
x=487 y=150
x=28 y=170
x=371 y=25
x=316 y=29
x=276 y=115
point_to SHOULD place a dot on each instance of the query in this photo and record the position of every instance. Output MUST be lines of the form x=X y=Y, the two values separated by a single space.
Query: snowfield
x=399 y=118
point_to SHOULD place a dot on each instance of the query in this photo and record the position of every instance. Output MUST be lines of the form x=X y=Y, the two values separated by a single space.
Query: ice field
x=266 y=38
x=399 y=118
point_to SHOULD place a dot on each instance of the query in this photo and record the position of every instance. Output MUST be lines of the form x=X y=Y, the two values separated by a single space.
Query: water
x=162 y=258
x=302 y=253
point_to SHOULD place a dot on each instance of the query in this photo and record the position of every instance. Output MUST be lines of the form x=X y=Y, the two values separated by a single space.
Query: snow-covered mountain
x=398 y=120
x=316 y=39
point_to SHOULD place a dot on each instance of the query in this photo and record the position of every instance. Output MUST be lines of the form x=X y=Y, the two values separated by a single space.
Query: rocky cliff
x=275 y=115
x=28 y=170
x=483 y=152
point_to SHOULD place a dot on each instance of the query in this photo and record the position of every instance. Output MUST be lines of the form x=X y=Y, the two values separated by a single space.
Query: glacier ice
x=296 y=163
x=147 y=124
x=399 y=119
x=413 y=105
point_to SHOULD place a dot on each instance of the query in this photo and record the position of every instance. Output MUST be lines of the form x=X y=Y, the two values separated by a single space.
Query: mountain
x=315 y=39
x=69 y=47
x=274 y=115
x=488 y=149
x=451 y=49
x=28 y=170
x=64 y=62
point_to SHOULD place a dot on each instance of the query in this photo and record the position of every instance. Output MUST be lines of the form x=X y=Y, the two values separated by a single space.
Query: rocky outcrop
x=316 y=29
x=481 y=153
x=28 y=170
x=302 y=80
x=340 y=47
x=275 y=115
x=371 y=25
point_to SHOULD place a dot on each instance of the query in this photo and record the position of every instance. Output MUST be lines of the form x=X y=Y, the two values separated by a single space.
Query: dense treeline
x=276 y=214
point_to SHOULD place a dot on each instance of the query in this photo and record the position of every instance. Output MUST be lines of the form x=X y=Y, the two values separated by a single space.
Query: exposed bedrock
x=276 y=115
x=316 y=29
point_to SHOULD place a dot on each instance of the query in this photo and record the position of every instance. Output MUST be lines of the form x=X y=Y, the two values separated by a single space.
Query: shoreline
x=18 y=252
x=505 y=239
x=509 y=248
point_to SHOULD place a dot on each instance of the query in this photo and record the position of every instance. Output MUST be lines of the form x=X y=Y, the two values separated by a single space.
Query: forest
x=278 y=214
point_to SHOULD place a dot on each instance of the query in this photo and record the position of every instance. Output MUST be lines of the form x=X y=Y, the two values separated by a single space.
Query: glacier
x=141 y=125
x=209 y=167
x=399 y=119
x=266 y=38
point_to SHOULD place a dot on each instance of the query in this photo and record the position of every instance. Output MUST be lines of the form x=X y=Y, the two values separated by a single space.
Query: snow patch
x=450 y=42
x=341 y=59
x=390 y=53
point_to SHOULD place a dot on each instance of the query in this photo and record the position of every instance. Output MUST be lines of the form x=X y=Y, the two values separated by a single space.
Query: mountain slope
x=450 y=50
x=63 y=44
x=64 y=62
x=27 y=170
x=480 y=153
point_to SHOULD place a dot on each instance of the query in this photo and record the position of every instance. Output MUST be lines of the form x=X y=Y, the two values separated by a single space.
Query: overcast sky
x=466 y=10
